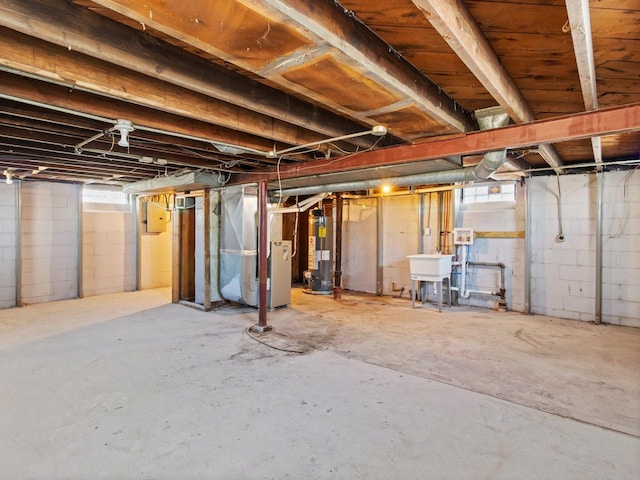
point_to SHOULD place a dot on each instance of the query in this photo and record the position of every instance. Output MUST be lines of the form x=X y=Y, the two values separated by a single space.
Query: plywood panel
x=395 y=12
x=341 y=84
x=509 y=17
x=227 y=26
x=411 y=122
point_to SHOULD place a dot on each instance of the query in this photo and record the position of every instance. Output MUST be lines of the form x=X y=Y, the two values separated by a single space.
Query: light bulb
x=124 y=127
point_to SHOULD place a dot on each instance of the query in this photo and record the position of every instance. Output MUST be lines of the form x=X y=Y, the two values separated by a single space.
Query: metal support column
x=18 y=190
x=379 y=248
x=262 y=260
x=80 y=271
x=133 y=200
x=599 y=200
x=421 y=223
x=337 y=282
x=206 y=211
x=527 y=245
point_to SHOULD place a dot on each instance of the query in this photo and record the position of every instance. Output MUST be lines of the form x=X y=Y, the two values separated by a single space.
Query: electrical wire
x=248 y=330
x=625 y=211
x=560 y=233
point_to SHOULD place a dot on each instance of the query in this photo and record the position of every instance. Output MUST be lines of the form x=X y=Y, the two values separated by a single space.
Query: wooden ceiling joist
x=52 y=63
x=580 y=24
x=79 y=30
x=54 y=96
x=459 y=29
x=357 y=54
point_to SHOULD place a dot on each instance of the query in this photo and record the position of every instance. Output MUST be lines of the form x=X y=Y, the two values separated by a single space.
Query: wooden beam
x=459 y=29
x=330 y=25
x=77 y=71
x=487 y=234
x=94 y=35
x=59 y=97
x=570 y=127
x=580 y=24
x=321 y=22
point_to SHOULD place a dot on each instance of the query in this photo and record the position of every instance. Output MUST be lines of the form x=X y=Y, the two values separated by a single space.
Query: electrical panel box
x=154 y=218
x=463 y=236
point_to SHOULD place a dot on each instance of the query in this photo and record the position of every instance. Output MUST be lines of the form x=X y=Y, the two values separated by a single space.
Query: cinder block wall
x=621 y=249
x=359 y=244
x=108 y=253
x=8 y=223
x=564 y=273
x=500 y=217
x=400 y=224
x=50 y=236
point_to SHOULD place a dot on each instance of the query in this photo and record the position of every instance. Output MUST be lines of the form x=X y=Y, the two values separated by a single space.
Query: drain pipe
x=502 y=303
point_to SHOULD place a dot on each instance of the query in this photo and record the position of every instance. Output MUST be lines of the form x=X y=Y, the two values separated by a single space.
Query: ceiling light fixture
x=377 y=130
x=124 y=127
x=8 y=176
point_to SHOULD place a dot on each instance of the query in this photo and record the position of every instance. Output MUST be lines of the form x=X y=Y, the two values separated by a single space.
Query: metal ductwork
x=487 y=118
x=489 y=164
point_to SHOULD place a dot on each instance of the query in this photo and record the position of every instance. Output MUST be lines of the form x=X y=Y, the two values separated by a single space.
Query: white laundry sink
x=432 y=265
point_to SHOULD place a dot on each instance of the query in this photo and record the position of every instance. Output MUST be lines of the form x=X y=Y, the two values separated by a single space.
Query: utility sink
x=431 y=265
x=426 y=267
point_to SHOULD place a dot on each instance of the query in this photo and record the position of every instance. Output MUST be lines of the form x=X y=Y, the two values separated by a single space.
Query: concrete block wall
x=8 y=224
x=563 y=274
x=499 y=217
x=108 y=248
x=359 y=234
x=400 y=237
x=621 y=249
x=50 y=241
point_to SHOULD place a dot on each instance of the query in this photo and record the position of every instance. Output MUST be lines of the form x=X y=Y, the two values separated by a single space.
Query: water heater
x=319 y=275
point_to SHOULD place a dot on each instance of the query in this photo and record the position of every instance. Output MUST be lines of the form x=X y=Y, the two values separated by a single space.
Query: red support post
x=262 y=259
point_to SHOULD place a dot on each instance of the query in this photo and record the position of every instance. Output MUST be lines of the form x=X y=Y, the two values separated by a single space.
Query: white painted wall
x=50 y=241
x=108 y=247
x=7 y=245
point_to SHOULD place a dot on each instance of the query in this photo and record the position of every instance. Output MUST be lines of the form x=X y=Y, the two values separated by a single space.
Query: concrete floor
x=129 y=386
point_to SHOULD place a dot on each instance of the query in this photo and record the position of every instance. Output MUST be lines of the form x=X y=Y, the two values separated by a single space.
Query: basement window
x=105 y=199
x=489 y=193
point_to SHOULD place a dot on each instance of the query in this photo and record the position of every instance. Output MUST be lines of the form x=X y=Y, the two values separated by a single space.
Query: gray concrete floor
x=129 y=386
